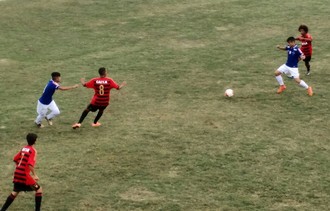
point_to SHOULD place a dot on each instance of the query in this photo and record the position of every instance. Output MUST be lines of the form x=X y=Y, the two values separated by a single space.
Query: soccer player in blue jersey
x=46 y=102
x=291 y=66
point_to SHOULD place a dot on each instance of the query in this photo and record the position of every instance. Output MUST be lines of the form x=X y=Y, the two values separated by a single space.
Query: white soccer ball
x=229 y=93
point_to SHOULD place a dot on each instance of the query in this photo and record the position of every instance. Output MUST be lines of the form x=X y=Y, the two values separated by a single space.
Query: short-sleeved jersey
x=23 y=159
x=306 y=46
x=47 y=95
x=102 y=87
x=294 y=54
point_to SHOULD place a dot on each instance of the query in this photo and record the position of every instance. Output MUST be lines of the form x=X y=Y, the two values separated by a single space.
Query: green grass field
x=170 y=140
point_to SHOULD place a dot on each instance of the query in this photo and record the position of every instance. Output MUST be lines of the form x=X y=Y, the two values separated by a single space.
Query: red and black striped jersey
x=102 y=87
x=23 y=159
x=306 y=46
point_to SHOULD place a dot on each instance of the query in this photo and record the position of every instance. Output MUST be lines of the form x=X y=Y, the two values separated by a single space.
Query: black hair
x=291 y=39
x=102 y=71
x=31 y=138
x=55 y=74
x=303 y=27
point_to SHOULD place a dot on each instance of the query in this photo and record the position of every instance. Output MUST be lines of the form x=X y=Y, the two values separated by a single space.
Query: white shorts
x=42 y=109
x=289 y=71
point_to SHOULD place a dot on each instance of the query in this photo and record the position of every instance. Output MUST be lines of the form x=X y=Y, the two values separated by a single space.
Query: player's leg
x=278 y=76
x=89 y=108
x=9 y=200
x=55 y=111
x=302 y=83
x=42 y=112
x=38 y=196
x=98 y=116
x=307 y=64
x=17 y=188
x=83 y=116
x=295 y=73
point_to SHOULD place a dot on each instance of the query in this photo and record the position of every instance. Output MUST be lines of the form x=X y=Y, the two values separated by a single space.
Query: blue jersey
x=47 y=96
x=294 y=54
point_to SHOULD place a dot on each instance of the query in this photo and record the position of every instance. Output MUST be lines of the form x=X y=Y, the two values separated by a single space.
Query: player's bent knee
x=14 y=193
x=57 y=112
x=39 y=190
x=297 y=80
x=277 y=73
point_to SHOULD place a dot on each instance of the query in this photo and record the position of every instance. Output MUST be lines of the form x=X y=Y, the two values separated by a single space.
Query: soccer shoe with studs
x=76 y=125
x=281 y=89
x=49 y=121
x=310 y=91
x=97 y=124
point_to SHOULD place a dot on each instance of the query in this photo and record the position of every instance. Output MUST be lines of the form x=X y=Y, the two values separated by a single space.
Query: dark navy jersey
x=294 y=54
x=47 y=96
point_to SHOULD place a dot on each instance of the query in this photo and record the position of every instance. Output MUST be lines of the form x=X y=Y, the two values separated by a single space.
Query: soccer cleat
x=308 y=73
x=97 y=124
x=310 y=91
x=49 y=121
x=77 y=125
x=40 y=125
x=281 y=89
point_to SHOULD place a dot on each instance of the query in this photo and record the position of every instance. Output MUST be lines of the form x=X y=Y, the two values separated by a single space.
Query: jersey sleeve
x=56 y=85
x=89 y=84
x=32 y=158
x=17 y=157
x=113 y=84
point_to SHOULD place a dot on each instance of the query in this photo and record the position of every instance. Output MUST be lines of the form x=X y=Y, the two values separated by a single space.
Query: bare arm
x=280 y=47
x=63 y=88
x=34 y=175
x=122 y=85
x=82 y=81
x=300 y=38
x=302 y=56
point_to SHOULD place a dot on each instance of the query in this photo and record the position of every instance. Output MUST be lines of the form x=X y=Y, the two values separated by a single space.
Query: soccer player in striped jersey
x=306 y=46
x=46 y=101
x=291 y=66
x=25 y=177
x=102 y=86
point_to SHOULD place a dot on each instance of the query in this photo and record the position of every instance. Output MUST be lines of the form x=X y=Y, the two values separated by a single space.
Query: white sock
x=279 y=80
x=303 y=84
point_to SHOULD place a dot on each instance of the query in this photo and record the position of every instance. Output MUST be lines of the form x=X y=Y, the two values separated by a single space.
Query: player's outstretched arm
x=122 y=85
x=82 y=81
x=306 y=39
x=63 y=88
x=280 y=47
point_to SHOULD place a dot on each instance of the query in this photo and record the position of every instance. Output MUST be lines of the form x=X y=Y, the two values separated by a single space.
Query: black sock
x=8 y=202
x=308 y=66
x=38 y=199
x=83 y=115
x=98 y=116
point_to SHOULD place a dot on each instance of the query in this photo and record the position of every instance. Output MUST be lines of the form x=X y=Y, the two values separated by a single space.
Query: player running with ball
x=102 y=86
x=291 y=66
